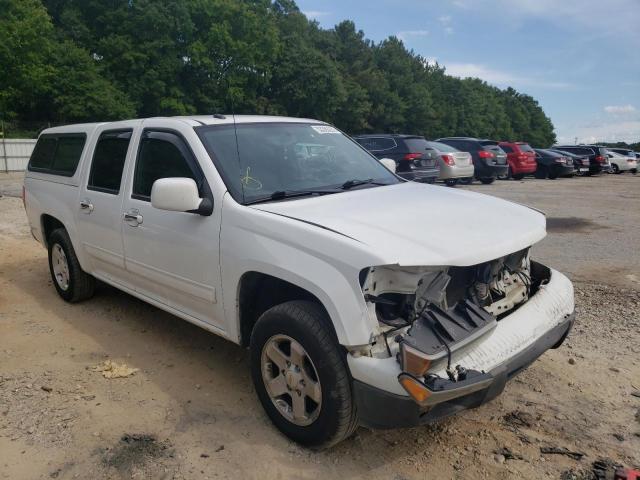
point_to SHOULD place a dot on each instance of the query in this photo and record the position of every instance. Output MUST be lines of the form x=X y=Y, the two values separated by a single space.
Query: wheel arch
x=257 y=292
x=48 y=224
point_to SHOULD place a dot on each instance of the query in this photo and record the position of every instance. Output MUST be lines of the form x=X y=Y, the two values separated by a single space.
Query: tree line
x=70 y=61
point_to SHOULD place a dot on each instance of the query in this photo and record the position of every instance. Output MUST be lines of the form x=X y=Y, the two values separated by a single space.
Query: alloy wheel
x=291 y=380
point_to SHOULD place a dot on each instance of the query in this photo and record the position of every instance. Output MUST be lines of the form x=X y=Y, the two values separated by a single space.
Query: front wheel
x=72 y=283
x=466 y=180
x=300 y=375
x=488 y=181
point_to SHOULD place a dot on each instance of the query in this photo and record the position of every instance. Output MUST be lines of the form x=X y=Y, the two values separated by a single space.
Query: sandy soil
x=190 y=410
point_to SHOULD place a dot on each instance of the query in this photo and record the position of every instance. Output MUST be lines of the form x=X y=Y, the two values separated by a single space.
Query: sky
x=579 y=58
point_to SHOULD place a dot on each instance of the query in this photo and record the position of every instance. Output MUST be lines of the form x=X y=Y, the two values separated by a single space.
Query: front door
x=172 y=257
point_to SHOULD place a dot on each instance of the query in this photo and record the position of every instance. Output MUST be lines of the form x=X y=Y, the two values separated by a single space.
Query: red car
x=520 y=157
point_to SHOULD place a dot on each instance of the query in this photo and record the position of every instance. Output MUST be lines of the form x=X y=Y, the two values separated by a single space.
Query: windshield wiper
x=356 y=182
x=282 y=194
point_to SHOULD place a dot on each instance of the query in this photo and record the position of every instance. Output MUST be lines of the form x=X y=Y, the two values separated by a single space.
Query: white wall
x=15 y=153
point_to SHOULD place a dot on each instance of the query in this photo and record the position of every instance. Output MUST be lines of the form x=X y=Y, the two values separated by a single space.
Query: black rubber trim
x=381 y=409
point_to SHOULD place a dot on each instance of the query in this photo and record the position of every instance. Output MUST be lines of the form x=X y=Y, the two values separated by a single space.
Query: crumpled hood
x=417 y=224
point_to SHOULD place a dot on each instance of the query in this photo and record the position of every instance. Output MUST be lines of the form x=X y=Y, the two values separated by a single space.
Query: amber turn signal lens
x=413 y=361
x=417 y=390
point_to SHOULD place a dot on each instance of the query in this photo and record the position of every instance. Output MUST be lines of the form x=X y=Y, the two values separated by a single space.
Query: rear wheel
x=72 y=283
x=615 y=168
x=300 y=375
x=451 y=182
x=488 y=181
x=518 y=176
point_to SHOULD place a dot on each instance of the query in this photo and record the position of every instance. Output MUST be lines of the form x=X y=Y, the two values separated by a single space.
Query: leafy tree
x=66 y=60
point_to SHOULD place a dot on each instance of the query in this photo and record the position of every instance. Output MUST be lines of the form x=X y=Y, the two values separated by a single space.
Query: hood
x=417 y=224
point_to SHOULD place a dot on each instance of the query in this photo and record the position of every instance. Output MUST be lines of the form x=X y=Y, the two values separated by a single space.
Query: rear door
x=173 y=257
x=100 y=201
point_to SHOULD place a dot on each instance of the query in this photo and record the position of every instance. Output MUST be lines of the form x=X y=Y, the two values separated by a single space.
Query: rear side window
x=377 y=144
x=42 y=155
x=108 y=161
x=523 y=147
x=161 y=155
x=58 y=154
x=506 y=148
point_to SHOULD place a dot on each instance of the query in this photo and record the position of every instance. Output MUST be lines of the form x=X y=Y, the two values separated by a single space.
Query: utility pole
x=576 y=140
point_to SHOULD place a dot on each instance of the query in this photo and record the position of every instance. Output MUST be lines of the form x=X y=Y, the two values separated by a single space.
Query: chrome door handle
x=86 y=206
x=133 y=217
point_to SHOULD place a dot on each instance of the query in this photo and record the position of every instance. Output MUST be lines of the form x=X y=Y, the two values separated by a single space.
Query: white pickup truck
x=364 y=298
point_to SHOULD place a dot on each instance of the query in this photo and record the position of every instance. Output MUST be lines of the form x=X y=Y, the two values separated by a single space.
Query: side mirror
x=389 y=163
x=178 y=194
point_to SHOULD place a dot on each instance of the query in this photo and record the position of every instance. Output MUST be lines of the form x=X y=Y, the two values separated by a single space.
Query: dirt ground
x=190 y=412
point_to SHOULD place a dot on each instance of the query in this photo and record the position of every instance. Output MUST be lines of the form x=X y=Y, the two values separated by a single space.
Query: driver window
x=160 y=156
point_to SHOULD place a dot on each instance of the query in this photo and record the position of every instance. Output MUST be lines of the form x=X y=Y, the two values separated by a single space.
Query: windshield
x=279 y=157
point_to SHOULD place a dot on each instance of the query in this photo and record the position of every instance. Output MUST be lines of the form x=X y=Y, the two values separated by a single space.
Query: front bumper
x=537 y=325
x=381 y=409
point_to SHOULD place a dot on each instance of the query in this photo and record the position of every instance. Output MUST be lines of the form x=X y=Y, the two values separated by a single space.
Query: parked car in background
x=520 y=157
x=454 y=164
x=489 y=159
x=622 y=163
x=580 y=162
x=415 y=160
x=552 y=165
x=598 y=160
x=625 y=151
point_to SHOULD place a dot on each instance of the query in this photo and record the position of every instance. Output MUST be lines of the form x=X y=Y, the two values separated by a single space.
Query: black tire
x=81 y=285
x=466 y=181
x=488 y=181
x=634 y=170
x=615 y=169
x=541 y=172
x=553 y=174
x=451 y=182
x=518 y=176
x=307 y=323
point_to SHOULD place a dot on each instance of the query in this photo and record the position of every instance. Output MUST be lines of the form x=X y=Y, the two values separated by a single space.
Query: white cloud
x=403 y=35
x=445 y=21
x=610 y=17
x=499 y=77
x=620 y=109
x=610 y=131
x=315 y=14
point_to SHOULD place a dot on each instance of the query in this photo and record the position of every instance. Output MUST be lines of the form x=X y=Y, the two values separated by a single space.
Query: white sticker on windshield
x=322 y=129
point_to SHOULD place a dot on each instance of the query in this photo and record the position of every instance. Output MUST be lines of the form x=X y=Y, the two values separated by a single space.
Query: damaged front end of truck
x=444 y=327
